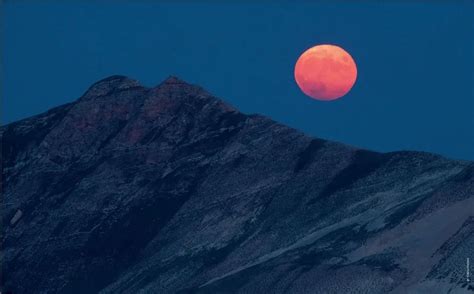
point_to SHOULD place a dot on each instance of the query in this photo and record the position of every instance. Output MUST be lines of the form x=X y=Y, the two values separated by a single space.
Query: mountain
x=170 y=190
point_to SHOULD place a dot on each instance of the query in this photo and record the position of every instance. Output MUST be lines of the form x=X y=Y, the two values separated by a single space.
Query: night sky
x=415 y=62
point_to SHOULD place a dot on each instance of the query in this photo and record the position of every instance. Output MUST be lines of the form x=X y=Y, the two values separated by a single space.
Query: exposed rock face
x=168 y=189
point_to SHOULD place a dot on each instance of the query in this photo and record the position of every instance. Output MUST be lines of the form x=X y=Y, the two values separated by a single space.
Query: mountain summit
x=168 y=189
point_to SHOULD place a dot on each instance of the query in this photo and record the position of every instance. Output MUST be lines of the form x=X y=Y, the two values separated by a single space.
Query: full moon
x=325 y=72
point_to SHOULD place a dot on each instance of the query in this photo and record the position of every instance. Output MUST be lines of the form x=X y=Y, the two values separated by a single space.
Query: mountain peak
x=155 y=186
x=173 y=80
x=175 y=83
x=110 y=84
x=177 y=89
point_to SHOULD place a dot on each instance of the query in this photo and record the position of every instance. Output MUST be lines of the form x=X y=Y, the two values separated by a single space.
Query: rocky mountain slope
x=169 y=190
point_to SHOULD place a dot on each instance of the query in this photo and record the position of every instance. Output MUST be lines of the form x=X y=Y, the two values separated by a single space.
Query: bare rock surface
x=170 y=190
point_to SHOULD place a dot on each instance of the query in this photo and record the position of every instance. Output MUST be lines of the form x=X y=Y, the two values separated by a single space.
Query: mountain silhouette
x=168 y=189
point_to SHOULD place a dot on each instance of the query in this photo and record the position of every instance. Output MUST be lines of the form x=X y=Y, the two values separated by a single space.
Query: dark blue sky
x=415 y=62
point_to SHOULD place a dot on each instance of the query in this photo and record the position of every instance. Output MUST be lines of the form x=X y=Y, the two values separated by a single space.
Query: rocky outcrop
x=168 y=189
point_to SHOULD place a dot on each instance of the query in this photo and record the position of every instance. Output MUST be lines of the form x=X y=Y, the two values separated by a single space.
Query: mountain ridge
x=148 y=183
x=126 y=83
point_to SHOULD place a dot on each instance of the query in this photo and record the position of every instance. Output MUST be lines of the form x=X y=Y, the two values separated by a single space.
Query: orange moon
x=325 y=72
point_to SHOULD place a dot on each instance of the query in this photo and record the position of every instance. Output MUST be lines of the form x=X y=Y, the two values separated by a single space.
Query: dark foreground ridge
x=168 y=189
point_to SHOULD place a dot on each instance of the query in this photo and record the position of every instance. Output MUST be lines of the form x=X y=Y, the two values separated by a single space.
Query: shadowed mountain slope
x=168 y=189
